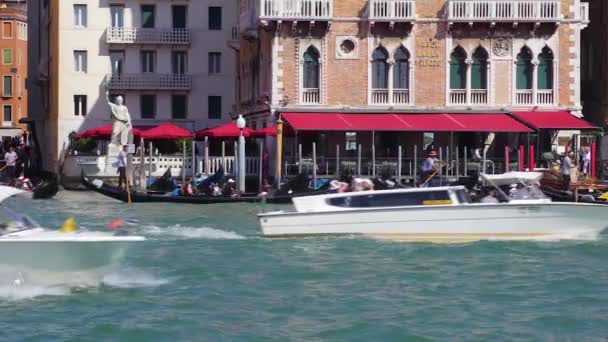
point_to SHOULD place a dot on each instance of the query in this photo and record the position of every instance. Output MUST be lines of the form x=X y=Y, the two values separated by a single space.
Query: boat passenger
x=215 y=189
x=187 y=188
x=513 y=190
x=337 y=186
x=230 y=188
x=490 y=197
x=362 y=184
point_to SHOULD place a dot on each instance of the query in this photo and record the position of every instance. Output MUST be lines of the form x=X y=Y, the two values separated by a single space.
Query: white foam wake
x=24 y=292
x=192 y=233
x=133 y=279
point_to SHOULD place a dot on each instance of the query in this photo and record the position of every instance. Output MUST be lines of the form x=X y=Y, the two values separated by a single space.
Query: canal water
x=205 y=275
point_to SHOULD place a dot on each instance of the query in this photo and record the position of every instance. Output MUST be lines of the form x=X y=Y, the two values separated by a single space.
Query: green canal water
x=205 y=275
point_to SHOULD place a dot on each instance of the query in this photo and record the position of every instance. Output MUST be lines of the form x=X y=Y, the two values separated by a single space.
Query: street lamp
x=240 y=123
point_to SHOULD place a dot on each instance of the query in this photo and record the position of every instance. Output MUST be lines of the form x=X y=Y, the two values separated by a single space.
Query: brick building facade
x=408 y=56
x=13 y=67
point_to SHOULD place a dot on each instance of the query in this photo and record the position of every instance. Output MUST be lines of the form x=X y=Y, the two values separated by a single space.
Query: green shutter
x=458 y=74
x=545 y=70
x=523 y=72
x=7 y=56
x=147 y=16
x=479 y=70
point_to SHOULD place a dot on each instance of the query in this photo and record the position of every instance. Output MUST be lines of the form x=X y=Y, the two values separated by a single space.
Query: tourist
x=266 y=186
x=586 y=161
x=187 y=188
x=362 y=184
x=215 y=189
x=122 y=167
x=566 y=168
x=337 y=186
x=10 y=158
x=230 y=188
x=490 y=197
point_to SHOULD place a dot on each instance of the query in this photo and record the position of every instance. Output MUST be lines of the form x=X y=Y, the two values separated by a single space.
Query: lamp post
x=240 y=123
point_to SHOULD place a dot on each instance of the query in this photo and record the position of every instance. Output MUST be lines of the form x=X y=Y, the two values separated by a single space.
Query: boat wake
x=132 y=278
x=24 y=292
x=182 y=232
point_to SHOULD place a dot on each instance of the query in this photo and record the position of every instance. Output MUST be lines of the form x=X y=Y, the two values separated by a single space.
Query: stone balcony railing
x=392 y=10
x=529 y=97
x=132 y=35
x=149 y=81
x=309 y=10
x=390 y=97
x=504 y=10
x=472 y=97
x=311 y=96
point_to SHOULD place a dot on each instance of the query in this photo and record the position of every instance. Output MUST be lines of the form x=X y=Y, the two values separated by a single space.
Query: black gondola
x=149 y=197
x=568 y=196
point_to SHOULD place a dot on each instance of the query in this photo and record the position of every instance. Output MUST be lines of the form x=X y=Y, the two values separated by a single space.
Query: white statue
x=122 y=133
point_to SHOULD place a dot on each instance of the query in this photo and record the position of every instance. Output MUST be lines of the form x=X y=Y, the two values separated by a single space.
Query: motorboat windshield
x=517 y=186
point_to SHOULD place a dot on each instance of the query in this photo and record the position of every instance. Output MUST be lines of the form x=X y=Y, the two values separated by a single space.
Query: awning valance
x=553 y=120
x=167 y=130
x=433 y=122
x=227 y=130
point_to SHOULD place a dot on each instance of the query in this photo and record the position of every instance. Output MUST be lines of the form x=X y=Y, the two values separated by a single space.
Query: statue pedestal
x=111 y=157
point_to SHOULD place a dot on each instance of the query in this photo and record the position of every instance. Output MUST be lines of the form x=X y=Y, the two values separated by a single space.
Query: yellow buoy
x=68 y=226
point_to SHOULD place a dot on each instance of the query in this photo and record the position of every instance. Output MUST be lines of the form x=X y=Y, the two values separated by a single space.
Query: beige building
x=169 y=60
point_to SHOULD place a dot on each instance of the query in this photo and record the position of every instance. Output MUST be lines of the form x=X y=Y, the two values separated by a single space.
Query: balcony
x=540 y=97
x=492 y=11
x=296 y=10
x=149 y=81
x=390 y=97
x=132 y=35
x=476 y=97
x=311 y=96
x=392 y=10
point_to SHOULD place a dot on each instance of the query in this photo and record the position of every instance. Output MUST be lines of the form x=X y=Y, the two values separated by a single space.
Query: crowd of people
x=16 y=157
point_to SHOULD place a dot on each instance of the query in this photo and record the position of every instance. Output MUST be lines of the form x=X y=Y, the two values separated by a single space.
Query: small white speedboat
x=25 y=244
x=442 y=214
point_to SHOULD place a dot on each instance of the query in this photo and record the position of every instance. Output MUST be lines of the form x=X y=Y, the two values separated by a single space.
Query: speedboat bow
x=24 y=244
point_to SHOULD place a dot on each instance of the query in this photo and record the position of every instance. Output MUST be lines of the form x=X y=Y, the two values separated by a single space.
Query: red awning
x=228 y=130
x=105 y=131
x=485 y=122
x=167 y=131
x=553 y=120
x=263 y=132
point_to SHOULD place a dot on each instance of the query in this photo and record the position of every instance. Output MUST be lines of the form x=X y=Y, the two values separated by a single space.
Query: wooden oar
x=128 y=190
x=433 y=174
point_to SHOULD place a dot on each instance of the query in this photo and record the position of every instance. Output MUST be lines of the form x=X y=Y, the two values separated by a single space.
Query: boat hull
x=446 y=222
x=55 y=251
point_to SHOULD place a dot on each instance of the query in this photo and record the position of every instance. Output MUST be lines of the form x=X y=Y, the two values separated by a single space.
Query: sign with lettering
x=427 y=53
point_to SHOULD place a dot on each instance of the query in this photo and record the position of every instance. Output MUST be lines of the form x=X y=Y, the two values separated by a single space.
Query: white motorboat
x=440 y=214
x=24 y=244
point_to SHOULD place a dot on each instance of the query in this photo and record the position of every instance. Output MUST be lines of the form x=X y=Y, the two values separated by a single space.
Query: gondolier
x=566 y=166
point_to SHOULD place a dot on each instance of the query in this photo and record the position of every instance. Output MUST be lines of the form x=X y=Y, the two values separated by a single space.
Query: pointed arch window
x=401 y=69
x=545 y=69
x=479 y=69
x=458 y=69
x=524 y=69
x=311 y=68
x=380 y=69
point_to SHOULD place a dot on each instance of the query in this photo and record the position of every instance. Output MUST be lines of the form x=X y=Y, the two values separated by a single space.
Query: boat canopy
x=7 y=191
x=528 y=178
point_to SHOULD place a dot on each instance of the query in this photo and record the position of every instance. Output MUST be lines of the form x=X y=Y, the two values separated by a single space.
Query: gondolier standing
x=566 y=166
x=122 y=166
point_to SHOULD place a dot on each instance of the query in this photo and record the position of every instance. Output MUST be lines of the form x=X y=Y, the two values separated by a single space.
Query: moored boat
x=439 y=214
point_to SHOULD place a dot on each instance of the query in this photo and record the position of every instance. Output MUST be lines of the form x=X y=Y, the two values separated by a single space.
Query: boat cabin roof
x=452 y=195
x=528 y=178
